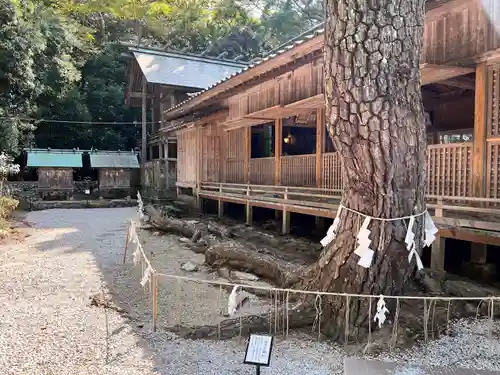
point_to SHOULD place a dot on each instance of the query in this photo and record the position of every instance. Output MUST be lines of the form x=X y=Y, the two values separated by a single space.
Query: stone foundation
x=31 y=197
x=46 y=205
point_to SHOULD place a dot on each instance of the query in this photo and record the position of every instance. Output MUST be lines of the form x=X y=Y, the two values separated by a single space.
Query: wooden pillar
x=479 y=140
x=248 y=150
x=320 y=141
x=220 y=204
x=199 y=164
x=478 y=253
x=144 y=119
x=278 y=141
x=154 y=118
x=167 y=163
x=285 y=229
x=248 y=209
x=438 y=246
x=438 y=253
x=319 y=223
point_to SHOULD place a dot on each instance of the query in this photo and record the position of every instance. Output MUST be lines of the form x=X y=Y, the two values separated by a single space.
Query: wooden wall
x=111 y=178
x=187 y=147
x=211 y=153
x=55 y=178
x=234 y=156
x=461 y=29
x=301 y=83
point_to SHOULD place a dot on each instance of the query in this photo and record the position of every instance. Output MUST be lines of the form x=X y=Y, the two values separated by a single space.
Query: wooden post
x=144 y=119
x=249 y=209
x=438 y=250
x=167 y=163
x=199 y=165
x=278 y=141
x=127 y=239
x=248 y=151
x=220 y=203
x=479 y=140
x=320 y=135
x=286 y=215
x=478 y=253
x=438 y=246
x=154 y=291
x=153 y=112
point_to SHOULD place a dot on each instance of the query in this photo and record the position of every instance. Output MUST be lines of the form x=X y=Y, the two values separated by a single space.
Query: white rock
x=189 y=267
x=244 y=276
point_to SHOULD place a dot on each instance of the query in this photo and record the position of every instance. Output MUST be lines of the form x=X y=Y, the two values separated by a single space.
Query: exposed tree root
x=237 y=256
x=198 y=232
x=298 y=316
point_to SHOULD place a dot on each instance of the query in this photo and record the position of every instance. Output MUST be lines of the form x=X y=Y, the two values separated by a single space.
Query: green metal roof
x=55 y=159
x=126 y=160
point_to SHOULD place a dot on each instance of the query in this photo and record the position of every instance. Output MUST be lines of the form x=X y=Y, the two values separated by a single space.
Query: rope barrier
x=429 y=301
x=332 y=294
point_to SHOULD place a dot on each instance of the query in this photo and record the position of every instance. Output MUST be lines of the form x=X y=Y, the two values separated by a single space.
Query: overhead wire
x=79 y=122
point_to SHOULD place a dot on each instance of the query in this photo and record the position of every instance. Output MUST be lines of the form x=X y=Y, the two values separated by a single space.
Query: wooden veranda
x=258 y=137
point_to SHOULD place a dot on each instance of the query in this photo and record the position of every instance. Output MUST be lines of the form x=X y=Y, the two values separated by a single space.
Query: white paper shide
x=382 y=310
x=410 y=244
x=363 y=250
x=332 y=231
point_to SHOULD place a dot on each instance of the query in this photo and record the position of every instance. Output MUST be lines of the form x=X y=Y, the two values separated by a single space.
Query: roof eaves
x=273 y=55
x=187 y=56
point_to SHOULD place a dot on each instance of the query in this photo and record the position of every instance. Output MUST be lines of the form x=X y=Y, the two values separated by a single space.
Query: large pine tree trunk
x=375 y=118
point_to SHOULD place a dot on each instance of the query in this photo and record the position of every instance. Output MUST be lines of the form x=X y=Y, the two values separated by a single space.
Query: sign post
x=258 y=352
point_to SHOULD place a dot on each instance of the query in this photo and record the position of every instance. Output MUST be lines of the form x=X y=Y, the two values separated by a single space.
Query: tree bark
x=375 y=118
x=235 y=255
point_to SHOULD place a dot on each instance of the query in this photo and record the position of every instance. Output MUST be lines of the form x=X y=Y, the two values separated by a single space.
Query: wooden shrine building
x=54 y=167
x=114 y=168
x=257 y=138
x=158 y=80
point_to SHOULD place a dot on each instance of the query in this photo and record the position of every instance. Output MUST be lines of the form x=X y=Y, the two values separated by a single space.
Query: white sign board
x=87 y=191
x=259 y=350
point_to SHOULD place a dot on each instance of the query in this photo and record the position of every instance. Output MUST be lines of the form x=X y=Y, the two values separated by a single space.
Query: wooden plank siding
x=210 y=161
x=110 y=178
x=461 y=30
x=234 y=142
x=55 y=178
x=304 y=82
x=186 y=158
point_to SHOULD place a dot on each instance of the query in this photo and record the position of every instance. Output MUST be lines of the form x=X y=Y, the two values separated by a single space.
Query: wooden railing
x=470 y=212
x=492 y=167
x=261 y=171
x=298 y=170
x=331 y=170
x=449 y=169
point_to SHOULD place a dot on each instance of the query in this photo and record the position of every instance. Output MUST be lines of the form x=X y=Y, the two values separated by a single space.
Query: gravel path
x=48 y=327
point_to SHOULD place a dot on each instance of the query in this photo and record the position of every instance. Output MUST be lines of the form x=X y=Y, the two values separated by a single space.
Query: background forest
x=61 y=60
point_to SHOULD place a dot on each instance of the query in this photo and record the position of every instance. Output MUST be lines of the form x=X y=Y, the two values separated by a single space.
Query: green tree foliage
x=60 y=59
